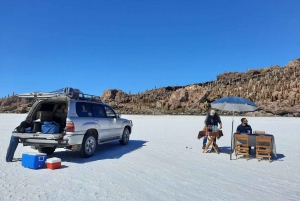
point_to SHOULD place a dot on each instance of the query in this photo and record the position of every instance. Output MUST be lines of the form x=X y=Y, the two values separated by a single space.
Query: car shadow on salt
x=112 y=150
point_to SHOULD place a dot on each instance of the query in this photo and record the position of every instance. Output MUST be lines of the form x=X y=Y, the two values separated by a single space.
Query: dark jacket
x=244 y=129
x=213 y=120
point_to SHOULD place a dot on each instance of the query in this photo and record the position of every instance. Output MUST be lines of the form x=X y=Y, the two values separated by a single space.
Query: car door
x=101 y=121
x=115 y=124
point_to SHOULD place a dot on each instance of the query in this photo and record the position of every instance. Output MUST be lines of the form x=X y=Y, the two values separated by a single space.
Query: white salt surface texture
x=163 y=161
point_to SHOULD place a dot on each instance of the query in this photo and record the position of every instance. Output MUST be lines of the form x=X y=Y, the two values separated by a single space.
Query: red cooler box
x=34 y=160
x=53 y=163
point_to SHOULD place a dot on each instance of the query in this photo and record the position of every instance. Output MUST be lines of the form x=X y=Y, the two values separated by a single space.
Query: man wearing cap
x=212 y=119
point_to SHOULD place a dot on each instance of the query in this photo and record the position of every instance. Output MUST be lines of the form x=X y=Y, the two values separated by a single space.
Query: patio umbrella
x=233 y=103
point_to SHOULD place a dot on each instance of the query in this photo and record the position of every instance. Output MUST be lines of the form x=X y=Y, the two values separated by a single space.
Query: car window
x=84 y=109
x=109 y=112
x=99 y=111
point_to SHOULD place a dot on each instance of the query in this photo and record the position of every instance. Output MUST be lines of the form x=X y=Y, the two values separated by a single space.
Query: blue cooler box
x=34 y=160
x=49 y=127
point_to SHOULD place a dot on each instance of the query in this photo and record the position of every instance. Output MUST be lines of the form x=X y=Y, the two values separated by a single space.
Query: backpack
x=23 y=125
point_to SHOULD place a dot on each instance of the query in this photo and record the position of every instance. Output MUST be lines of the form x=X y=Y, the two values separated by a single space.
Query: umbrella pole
x=231 y=132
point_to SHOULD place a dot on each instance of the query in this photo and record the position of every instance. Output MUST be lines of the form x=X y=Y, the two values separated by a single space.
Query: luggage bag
x=49 y=127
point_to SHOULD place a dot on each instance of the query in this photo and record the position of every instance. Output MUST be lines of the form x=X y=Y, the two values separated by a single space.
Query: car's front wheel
x=89 y=145
x=125 y=137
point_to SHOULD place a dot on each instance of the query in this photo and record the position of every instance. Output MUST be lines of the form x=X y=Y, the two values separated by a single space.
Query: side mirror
x=118 y=116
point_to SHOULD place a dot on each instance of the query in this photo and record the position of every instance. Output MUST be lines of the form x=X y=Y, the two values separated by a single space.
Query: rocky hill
x=276 y=90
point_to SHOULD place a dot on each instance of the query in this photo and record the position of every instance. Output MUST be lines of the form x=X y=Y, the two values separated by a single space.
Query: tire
x=125 y=137
x=46 y=150
x=89 y=145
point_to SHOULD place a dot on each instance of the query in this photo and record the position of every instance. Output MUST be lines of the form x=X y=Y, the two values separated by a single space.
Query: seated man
x=244 y=127
x=211 y=119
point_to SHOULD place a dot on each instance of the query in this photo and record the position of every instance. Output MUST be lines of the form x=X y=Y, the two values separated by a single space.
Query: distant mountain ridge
x=276 y=90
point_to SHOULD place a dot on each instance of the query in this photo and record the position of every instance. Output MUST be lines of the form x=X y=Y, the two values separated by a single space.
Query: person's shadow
x=112 y=150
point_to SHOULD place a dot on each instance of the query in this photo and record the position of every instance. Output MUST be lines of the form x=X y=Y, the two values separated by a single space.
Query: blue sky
x=137 y=45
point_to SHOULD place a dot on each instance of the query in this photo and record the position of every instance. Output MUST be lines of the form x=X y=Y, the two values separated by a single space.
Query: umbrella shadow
x=224 y=150
x=279 y=157
x=112 y=150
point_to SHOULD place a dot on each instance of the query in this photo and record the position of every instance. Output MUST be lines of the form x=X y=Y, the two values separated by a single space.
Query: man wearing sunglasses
x=244 y=127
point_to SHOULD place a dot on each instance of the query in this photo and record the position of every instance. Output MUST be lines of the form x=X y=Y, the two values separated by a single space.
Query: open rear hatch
x=50 y=107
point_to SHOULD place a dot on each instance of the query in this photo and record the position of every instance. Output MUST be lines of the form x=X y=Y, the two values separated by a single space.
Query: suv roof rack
x=73 y=93
x=69 y=92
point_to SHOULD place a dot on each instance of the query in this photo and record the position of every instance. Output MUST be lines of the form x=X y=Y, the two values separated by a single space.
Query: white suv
x=84 y=122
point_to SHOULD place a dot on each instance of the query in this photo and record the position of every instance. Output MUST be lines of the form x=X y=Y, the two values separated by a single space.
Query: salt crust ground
x=157 y=165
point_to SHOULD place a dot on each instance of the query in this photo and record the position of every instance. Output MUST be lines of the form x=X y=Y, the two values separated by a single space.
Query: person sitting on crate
x=14 y=141
x=212 y=119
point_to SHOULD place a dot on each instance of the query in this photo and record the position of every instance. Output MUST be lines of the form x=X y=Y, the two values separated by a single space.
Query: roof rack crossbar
x=76 y=94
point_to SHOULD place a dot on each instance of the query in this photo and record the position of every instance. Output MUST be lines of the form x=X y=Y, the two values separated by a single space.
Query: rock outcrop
x=114 y=95
x=188 y=97
x=15 y=104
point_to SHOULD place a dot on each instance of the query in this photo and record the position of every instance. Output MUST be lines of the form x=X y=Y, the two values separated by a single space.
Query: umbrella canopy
x=233 y=103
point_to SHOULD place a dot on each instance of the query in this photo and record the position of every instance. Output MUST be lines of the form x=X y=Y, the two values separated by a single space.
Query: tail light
x=70 y=127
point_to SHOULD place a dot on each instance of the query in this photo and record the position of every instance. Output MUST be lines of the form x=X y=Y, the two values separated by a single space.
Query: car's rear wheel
x=125 y=137
x=46 y=150
x=88 y=146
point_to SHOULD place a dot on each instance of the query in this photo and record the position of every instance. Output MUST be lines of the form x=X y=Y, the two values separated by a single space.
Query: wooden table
x=210 y=137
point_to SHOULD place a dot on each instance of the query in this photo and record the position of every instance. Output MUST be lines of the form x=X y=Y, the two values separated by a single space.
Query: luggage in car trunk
x=50 y=127
x=33 y=160
x=36 y=127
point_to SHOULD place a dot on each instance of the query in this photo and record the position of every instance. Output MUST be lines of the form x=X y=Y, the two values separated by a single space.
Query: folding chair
x=241 y=145
x=263 y=147
x=257 y=132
